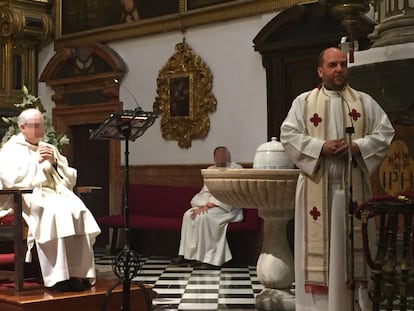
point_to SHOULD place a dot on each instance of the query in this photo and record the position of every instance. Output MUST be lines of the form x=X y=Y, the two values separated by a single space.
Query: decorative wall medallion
x=396 y=173
x=184 y=97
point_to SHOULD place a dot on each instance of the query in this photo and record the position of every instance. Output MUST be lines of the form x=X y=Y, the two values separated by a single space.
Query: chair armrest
x=86 y=189
x=15 y=191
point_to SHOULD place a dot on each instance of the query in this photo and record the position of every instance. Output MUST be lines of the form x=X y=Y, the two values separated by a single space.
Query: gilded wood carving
x=184 y=97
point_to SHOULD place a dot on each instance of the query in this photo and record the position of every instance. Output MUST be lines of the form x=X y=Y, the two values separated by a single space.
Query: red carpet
x=27 y=284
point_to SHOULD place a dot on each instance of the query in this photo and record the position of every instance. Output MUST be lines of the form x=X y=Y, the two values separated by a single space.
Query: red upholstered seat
x=6 y=259
x=151 y=207
x=251 y=222
x=112 y=221
x=158 y=207
x=160 y=201
x=7 y=220
x=153 y=201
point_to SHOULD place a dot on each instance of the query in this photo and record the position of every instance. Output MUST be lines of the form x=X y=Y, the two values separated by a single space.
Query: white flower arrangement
x=30 y=101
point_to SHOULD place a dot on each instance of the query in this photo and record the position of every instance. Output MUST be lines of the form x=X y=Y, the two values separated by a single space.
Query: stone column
x=395 y=20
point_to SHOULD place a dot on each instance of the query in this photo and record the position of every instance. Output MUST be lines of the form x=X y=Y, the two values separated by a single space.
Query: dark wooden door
x=91 y=159
x=290 y=44
x=289 y=74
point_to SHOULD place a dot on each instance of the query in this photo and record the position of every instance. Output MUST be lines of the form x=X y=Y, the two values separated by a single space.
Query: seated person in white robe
x=204 y=226
x=59 y=224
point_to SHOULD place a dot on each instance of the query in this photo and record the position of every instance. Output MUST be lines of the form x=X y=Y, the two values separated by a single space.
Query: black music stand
x=126 y=125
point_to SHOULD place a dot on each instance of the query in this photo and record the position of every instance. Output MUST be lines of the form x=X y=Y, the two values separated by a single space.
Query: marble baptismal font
x=272 y=192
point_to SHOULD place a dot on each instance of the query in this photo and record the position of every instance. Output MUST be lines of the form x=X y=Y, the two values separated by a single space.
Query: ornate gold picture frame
x=80 y=22
x=184 y=97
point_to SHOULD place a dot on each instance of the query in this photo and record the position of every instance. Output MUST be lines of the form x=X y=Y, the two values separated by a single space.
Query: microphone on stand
x=349 y=130
x=128 y=91
x=142 y=119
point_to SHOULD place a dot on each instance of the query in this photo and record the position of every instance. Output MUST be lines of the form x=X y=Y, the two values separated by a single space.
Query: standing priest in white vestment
x=60 y=225
x=313 y=134
x=203 y=231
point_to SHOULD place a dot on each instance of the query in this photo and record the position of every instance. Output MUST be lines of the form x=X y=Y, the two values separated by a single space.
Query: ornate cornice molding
x=29 y=20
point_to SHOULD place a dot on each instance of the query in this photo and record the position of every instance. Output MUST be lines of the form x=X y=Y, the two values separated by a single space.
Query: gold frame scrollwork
x=187 y=78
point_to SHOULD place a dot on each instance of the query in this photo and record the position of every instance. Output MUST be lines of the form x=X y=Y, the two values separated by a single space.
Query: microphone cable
x=128 y=91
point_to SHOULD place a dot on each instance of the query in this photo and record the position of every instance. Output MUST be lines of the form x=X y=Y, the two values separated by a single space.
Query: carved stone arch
x=88 y=70
x=85 y=94
x=105 y=53
x=289 y=45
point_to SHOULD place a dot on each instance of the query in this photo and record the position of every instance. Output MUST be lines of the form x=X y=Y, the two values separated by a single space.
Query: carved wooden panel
x=290 y=44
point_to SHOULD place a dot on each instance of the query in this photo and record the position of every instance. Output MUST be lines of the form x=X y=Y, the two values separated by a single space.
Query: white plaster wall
x=239 y=84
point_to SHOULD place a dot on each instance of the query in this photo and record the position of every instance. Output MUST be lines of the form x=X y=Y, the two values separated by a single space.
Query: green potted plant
x=30 y=101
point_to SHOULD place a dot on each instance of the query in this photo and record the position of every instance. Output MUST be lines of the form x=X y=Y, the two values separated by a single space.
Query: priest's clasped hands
x=46 y=153
x=338 y=147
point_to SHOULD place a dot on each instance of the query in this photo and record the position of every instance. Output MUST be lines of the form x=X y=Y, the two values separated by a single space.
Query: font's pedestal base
x=275 y=299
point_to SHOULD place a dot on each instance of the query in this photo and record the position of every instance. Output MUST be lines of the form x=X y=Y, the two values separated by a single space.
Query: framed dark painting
x=180 y=99
x=81 y=22
x=84 y=15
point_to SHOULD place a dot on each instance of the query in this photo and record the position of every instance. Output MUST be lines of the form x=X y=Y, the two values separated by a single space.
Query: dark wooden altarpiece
x=290 y=44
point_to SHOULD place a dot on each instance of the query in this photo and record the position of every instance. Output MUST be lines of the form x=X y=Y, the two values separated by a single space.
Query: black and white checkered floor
x=192 y=288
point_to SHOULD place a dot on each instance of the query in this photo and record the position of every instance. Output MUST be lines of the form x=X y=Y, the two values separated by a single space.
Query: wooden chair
x=19 y=245
x=16 y=221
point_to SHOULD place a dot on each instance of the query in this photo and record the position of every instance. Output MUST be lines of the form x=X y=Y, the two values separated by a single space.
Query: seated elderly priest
x=59 y=224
